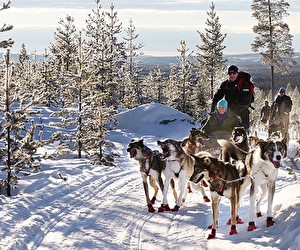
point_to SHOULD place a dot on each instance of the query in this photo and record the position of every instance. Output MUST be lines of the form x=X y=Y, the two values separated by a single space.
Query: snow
x=71 y=204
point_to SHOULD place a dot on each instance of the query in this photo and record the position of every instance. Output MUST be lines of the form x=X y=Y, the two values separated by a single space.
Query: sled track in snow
x=43 y=219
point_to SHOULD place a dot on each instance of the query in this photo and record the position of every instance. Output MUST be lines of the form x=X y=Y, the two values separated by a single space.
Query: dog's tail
x=230 y=150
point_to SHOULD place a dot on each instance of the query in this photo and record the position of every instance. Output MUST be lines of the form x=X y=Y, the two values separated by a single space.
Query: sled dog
x=240 y=138
x=194 y=142
x=179 y=165
x=150 y=164
x=224 y=180
x=264 y=162
x=192 y=145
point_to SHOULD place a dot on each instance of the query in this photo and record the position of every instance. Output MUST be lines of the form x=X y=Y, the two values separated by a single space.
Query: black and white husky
x=150 y=165
x=179 y=166
x=264 y=162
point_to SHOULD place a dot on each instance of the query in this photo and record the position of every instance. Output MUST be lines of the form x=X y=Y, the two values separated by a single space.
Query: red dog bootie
x=175 y=209
x=153 y=200
x=258 y=214
x=270 y=221
x=251 y=226
x=151 y=208
x=233 y=230
x=163 y=208
x=212 y=234
x=206 y=199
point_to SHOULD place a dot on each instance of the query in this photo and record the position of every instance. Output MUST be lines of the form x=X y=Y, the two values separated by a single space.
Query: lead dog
x=179 y=165
x=264 y=162
x=225 y=180
x=150 y=164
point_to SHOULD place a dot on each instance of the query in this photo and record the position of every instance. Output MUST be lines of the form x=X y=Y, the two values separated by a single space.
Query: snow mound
x=155 y=117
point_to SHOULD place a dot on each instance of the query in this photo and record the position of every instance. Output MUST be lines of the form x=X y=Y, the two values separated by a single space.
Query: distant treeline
x=246 y=62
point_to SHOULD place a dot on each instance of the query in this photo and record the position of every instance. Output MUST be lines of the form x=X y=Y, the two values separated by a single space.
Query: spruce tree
x=273 y=39
x=210 y=52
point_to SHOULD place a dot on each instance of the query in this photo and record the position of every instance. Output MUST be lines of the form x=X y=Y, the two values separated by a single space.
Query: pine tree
x=186 y=81
x=17 y=132
x=64 y=47
x=6 y=27
x=210 y=52
x=273 y=38
x=131 y=73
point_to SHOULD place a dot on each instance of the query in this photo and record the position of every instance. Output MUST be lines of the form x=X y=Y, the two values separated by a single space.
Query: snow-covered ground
x=101 y=207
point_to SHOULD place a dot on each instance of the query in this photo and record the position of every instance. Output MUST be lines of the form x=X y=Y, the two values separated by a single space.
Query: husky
x=240 y=138
x=224 y=180
x=179 y=165
x=264 y=162
x=193 y=144
x=150 y=164
x=253 y=140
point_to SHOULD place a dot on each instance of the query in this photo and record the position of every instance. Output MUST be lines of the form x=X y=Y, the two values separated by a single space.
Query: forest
x=89 y=75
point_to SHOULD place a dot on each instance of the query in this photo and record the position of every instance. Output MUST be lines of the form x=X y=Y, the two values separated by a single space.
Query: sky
x=161 y=24
x=71 y=204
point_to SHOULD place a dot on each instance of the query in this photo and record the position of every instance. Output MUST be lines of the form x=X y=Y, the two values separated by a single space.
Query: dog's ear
x=207 y=160
x=284 y=140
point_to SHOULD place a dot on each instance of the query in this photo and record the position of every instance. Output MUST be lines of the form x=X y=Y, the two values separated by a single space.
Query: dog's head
x=239 y=135
x=171 y=148
x=138 y=150
x=197 y=137
x=205 y=167
x=274 y=151
x=253 y=140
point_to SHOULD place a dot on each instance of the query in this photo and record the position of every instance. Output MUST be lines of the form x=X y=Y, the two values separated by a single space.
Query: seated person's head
x=222 y=106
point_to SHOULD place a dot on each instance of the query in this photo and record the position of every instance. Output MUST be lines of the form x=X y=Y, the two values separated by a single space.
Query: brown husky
x=225 y=180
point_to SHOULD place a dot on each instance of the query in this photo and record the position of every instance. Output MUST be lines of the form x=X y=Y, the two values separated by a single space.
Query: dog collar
x=193 y=145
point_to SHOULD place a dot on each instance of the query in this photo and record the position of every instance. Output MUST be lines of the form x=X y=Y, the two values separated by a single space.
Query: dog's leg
x=172 y=184
x=233 y=202
x=271 y=191
x=215 y=213
x=259 y=200
x=164 y=206
x=153 y=184
x=183 y=191
x=146 y=189
x=253 y=192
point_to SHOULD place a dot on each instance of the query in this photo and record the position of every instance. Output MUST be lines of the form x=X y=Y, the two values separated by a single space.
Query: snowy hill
x=73 y=205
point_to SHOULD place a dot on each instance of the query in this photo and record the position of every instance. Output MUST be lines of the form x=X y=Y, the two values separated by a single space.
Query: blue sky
x=161 y=25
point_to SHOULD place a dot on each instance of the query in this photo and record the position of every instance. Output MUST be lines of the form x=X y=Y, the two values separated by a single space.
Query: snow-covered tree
x=186 y=81
x=209 y=55
x=131 y=73
x=64 y=47
x=17 y=131
x=6 y=27
x=273 y=39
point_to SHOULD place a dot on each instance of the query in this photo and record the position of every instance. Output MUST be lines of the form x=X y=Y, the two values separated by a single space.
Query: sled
x=212 y=146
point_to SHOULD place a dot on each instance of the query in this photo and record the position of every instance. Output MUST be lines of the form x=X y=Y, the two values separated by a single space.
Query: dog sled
x=211 y=144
